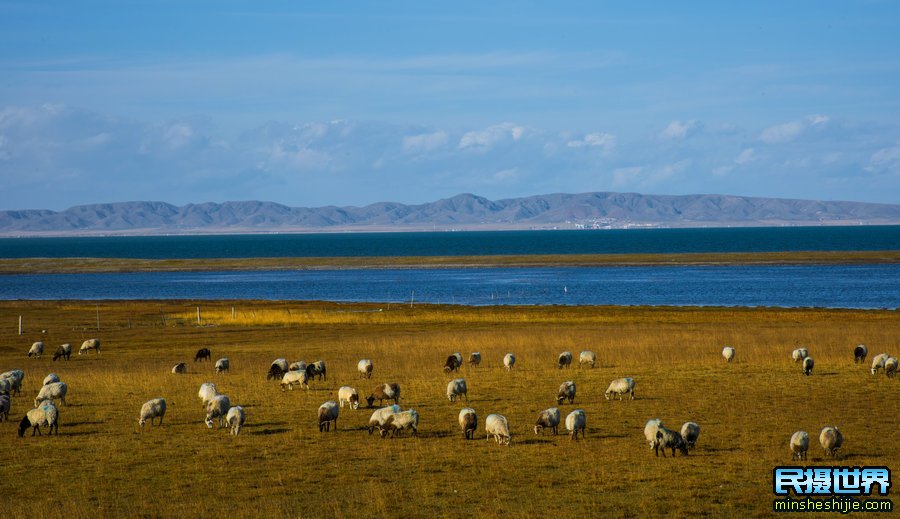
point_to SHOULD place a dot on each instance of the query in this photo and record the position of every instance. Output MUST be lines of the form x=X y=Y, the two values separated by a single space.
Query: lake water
x=833 y=286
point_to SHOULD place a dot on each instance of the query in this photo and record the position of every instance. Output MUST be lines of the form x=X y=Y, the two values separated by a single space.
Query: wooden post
x=20 y=325
x=198 y=316
x=232 y=313
x=98 y=317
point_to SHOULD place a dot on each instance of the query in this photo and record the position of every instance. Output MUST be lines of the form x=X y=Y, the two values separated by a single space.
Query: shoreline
x=117 y=265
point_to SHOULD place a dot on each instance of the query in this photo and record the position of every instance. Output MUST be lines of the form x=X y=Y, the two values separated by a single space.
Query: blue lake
x=833 y=286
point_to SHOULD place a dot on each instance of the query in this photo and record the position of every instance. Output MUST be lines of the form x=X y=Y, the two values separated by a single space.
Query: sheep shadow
x=76 y=424
x=268 y=432
x=538 y=440
x=438 y=434
x=721 y=449
x=262 y=424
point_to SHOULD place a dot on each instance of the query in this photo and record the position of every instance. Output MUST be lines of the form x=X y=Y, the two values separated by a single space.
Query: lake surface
x=832 y=286
x=652 y=241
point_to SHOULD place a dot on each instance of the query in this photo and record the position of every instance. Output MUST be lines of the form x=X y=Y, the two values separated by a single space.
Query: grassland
x=101 y=464
x=68 y=265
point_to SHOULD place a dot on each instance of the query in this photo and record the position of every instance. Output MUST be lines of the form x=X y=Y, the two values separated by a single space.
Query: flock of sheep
x=392 y=420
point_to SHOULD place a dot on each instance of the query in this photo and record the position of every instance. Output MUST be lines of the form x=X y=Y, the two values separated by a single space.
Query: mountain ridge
x=464 y=211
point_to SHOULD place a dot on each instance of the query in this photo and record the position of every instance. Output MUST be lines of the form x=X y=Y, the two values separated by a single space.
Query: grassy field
x=101 y=464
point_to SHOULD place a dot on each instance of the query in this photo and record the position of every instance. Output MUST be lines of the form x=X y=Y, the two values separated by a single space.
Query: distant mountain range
x=461 y=212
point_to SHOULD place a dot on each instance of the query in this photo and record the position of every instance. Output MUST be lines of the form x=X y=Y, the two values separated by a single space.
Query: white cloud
x=885 y=159
x=745 y=157
x=789 y=131
x=425 y=142
x=492 y=136
x=678 y=130
x=604 y=141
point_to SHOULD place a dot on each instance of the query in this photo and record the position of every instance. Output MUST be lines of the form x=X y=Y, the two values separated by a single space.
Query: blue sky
x=350 y=103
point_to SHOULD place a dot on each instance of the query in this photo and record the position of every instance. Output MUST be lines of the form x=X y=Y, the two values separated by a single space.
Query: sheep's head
x=371 y=401
x=141 y=422
x=24 y=425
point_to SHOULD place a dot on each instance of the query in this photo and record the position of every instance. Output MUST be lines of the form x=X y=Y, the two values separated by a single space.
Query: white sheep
x=576 y=421
x=566 y=392
x=37 y=349
x=222 y=365
x=364 y=367
x=4 y=407
x=46 y=414
x=217 y=407
x=64 y=350
x=349 y=395
x=301 y=378
x=509 y=360
x=468 y=422
x=328 y=413
x=179 y=369
x=207 y=392
x=89 y=345
x=297 y=366
x=859 y=353
x=587 y=357
x=51 y=378
x=878 y=362
x=728 y=353
x=456 y=388
x=564 y=360
x=690 y=431
x=396 y=423
x=376 y=421
x=890 y=366
x=52 y=391
x=151 y=409
x=497 y=425
x=475 y=358
x=799 y=445
x=15 y=376
x=831 y=440
x=548 y=419
x=799 y=354
x=650 y=429
x=235 y=419
x=808 y=363
x=619 y=387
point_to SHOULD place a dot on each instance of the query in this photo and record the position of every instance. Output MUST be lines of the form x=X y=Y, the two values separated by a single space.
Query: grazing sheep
x=666 y=439
x=64 y=350
x=277 y=369
x=650 y=429
x=349 y=395
x=317 y=369
x=235 y=419
x=51 y=378
x=728 y=353
x=831 y=440
x=566 y=392
x=453 y=362
x=456 y=388
x=222 y=365
x=396 y=423
x=46 y=414
x=878 y=362
x=497 y=425
x=179 y=369
x=468 y=422
x=575 y=422
x=385 y=392
x=5 y=386
x=4 y=407
x=203 y=354
x=587 y=357
x=37 y=349
x=297 y=366
x=151 y=409
x=207 y=392
x=619 y=387
x=376 y=421
x=15 y=377
x=799 y=354
x=859 y=353
x=808 y=363
x=890 y=367
x=690 y=431
x=564 y=360
x=301 y=378
x=799 y=445
x=474 y=358
x=548 y=419
x=364 y=367
x=52 y=391
x=328 y=413
x=509 y=360
x=89 y=345
x=217 y=407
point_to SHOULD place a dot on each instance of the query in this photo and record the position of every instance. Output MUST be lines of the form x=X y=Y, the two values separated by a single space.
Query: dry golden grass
x=281 y=466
